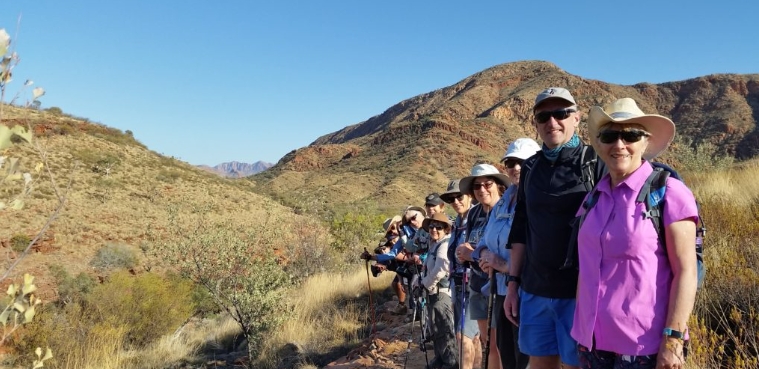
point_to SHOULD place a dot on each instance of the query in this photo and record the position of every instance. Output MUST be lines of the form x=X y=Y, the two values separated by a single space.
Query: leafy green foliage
x=15 y=185
x=115 y=256
x=353 y=230
x=236 y=267
x=147 y=306
x=20 y=306
x=72 y=289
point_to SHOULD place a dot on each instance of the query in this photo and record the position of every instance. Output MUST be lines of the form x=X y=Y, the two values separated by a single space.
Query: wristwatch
x=669 y=332
x=513 y=278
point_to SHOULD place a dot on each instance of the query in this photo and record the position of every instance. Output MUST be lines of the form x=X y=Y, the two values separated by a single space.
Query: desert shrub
x=702 y=157
x=72 y=289
x=235 y=265
x=76 y=341
x=309 y=252
x=203 y=302
x=115 y=255
x=352 y=230
x=54 y=110
x=96 y=159
x=19 y=242
x=147 y=306
x=168 y=176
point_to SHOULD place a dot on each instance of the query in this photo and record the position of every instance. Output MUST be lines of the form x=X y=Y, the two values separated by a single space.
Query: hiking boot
x=399 y=310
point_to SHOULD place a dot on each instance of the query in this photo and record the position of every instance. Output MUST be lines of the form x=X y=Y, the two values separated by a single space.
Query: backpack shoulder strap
x=529 y=167
x=473 y=214
x=652 y=196
x=588 y=164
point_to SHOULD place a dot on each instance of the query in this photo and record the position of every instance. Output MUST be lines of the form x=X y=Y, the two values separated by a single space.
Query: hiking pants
x=440 y=310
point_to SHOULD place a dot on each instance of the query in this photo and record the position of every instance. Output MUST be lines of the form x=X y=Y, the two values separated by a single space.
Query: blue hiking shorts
x=544 y=326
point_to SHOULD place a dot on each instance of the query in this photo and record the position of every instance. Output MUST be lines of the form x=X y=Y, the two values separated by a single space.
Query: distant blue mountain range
x=236 y=169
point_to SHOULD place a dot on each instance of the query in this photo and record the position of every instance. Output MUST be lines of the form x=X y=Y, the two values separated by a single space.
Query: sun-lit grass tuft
x=328 y=311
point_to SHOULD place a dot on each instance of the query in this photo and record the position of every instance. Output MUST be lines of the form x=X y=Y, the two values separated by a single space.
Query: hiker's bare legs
x=494 y=358
x=468 y=357
x=548 y=362
x=399 y=291
x=477 y=348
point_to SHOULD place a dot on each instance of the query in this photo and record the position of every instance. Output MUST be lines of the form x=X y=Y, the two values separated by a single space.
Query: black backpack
x=653 y=195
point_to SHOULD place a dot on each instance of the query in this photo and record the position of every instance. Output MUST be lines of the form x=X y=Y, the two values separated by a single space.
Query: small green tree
x=235 y=265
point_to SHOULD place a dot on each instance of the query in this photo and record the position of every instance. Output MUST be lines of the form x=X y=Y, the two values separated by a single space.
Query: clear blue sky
x=246 y=80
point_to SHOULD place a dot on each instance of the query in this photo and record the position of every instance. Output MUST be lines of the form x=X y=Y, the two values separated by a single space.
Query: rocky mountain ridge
x=415 y=146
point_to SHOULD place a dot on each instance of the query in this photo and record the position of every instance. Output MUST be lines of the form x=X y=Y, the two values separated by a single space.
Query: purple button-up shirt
x=625 y=276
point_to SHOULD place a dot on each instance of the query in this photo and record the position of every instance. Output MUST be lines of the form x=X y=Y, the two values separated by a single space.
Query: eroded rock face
x=427 y=139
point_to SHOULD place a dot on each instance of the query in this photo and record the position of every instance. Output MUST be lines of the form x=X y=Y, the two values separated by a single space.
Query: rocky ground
x=388 y=348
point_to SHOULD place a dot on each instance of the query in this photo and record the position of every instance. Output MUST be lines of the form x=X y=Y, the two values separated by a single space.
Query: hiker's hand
x=413 y=259
x=491 y=261
x=485 y=264
x=464 y=251
x=380 y=267
x=366 y=255
x=511 y=304
x=670 y=354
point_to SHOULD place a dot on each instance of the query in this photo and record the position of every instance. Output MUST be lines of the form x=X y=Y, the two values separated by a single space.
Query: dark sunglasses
x=451 y=200
x=412 y=218
x=486 y=185
x=560 y=114
x=511 y=163
x=611 y=136
x=439 y=227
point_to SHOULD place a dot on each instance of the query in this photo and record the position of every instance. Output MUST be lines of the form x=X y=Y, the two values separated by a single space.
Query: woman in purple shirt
x=634 y=294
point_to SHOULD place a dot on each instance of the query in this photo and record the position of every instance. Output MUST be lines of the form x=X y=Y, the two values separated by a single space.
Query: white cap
x=521 y=148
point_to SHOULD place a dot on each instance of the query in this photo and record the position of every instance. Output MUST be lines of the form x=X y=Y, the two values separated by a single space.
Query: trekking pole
x=371 y=302
x=423 y=327
x=462 y=318
x=410 y=337
x=420 y=302
x=491 y=302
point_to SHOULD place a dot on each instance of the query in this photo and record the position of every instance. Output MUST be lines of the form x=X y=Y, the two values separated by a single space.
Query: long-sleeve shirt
x=436 y=266
x=496 y=235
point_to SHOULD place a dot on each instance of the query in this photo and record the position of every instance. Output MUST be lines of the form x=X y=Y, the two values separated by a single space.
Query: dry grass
x=738 y=186
x=725 y=325
x=329 y=311
x=100 y=350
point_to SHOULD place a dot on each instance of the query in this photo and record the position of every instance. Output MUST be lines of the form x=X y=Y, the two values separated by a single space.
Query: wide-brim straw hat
x=626 y=111
x=437 y=217
x=482 y=170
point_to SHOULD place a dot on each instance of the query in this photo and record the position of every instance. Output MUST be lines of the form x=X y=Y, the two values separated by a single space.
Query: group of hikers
x=559 y=262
